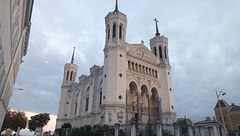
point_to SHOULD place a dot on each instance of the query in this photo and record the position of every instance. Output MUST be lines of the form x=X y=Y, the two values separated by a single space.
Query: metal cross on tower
x=157 y=32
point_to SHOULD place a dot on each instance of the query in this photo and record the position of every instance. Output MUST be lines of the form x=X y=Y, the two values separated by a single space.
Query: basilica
x=134 y=82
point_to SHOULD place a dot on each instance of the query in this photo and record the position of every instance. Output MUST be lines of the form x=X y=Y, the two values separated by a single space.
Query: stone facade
x=15 y=24
x=231 y=115
x=134 y=82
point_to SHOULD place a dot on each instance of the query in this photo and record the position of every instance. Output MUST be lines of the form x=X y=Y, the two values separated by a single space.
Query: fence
x=146 y=129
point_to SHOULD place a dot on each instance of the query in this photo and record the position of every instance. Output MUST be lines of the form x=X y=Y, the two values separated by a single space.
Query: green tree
x=66 y=125
x=14 y=119
x=39 y=120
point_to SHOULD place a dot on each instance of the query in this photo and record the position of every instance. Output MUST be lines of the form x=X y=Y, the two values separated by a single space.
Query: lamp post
x=18 y=89
x=218 y=94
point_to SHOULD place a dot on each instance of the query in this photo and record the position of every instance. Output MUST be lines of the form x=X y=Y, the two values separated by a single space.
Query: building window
x=87 y=101
x=100 y=100
x=155 y=50
x=165 y=52
x=160 y=52
x=108 y=32
x=114 y=30
x=75 y=108
x=71 y=76
x=120 y=31
x=67 y=75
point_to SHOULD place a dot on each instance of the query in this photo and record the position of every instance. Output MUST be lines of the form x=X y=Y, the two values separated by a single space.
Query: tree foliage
x=14 y=119
x=39 y=120
x=66 y=125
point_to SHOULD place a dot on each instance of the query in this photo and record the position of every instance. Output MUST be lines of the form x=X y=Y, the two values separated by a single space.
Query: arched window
x=133 y=66
x=108 y=32
x=165 y=52
x=114 y=30
x=87 y=99
x=120 y=31
x=71 y=75
x=100 y=101
x=160 y=52
x=146 y=70
x=75 y=108
x=136 y=67
x=67 y=75
x=129 y=65
x=143 y=69
x=155 y=50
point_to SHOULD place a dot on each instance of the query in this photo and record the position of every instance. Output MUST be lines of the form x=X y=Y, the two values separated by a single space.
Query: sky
x=203 y=43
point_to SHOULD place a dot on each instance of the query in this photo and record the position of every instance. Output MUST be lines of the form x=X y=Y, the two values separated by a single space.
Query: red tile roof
x=222 y=104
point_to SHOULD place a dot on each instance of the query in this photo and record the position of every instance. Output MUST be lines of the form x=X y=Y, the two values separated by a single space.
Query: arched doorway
x=132 y=101
x=144 y=104
x=154 y=105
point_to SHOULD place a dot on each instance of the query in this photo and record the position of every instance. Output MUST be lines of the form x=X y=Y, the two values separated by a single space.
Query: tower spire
x=72 y=61
x=157 y=32
x=116 y=6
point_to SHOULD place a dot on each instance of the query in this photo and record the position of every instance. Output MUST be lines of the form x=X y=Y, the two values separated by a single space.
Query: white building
x=15 y=17
x=134 y=82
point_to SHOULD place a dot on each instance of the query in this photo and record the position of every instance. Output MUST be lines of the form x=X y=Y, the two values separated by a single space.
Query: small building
x=231 y=115
x=208 y=127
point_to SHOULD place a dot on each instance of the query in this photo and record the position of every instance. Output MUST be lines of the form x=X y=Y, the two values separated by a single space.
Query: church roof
x=222 y=104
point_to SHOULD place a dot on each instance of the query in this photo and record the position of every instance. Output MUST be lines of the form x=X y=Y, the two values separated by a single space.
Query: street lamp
x=18 y=89
x=218 y=94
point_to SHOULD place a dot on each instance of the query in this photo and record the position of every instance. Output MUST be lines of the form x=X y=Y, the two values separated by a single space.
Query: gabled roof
x=140 y=51
x=222 y=104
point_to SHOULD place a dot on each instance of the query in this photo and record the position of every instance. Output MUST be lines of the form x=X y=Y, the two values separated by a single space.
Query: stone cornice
x=114 y=48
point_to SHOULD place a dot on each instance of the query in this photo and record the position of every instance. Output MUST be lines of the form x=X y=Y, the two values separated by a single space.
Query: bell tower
x=159 y=47
x=114 y=71
x=116 y=25
x=70 y=73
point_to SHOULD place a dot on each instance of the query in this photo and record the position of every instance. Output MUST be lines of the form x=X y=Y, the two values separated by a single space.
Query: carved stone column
x=159 y=109
x=138 y=105
x=149 y=107
x=126 y=105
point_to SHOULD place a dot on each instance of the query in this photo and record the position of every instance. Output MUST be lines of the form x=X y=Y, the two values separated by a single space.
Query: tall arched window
x=108 y=32
x=100 y=101
x=155 y=50
x=67 y=75
x=75 y=108
x=165 y=52
x=87 y=99
x=71 y=75
x=114 y=30
x=120 y=31
x=160 y=51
